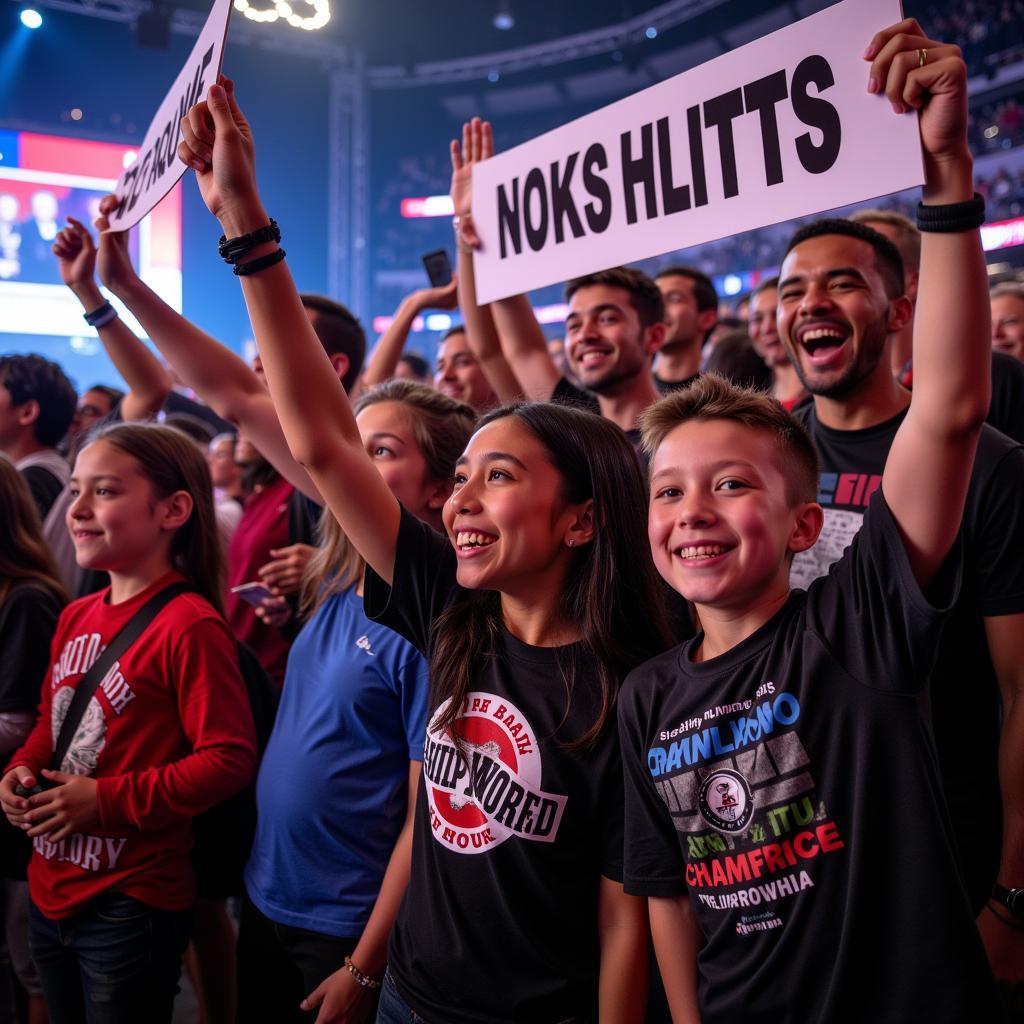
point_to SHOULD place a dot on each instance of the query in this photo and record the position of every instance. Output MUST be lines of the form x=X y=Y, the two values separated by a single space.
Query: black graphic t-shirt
x=789 y=786
x=964 y=690
x=499 y=923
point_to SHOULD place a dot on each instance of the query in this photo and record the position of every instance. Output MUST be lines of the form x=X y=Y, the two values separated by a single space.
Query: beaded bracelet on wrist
x=232 y=249
x=361 y=979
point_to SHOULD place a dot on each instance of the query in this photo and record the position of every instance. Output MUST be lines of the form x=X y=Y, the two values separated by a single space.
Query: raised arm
x=481 y=333
x=387 y=353
x=311 y=403
x=214 y=372
x=148 y=382
x=929 y=465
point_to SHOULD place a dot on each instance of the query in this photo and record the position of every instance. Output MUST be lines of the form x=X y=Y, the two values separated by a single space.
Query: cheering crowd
x=669 y=671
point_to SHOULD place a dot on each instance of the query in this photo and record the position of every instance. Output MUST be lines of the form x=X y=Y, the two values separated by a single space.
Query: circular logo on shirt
x=488 y=791
x=725 y=801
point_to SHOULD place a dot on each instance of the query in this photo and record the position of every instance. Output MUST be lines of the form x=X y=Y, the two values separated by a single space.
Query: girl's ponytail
x=171 y=462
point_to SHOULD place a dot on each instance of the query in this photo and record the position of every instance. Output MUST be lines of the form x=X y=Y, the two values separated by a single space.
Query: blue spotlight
x=651 y=32
x=31 y=18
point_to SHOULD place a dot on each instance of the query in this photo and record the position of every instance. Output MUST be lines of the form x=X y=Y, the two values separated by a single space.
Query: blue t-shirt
x=331 y=792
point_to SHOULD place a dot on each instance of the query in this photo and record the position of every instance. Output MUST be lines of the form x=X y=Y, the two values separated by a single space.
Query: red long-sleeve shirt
x=168 y=734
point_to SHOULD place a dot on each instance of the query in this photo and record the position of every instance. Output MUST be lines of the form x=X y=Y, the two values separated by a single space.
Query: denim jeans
x=117 y=961
x=392 y=1008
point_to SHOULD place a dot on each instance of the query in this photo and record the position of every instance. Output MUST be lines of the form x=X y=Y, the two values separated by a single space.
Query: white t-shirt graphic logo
x=491 y=791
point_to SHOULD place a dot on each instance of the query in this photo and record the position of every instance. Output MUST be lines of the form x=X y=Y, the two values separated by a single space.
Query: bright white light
x=732 y=284
x=31 y=18
x=315 y=13
x=427 y=206
x=992 y=131
x=130 y=156
x=651 y=32
x=438 y=321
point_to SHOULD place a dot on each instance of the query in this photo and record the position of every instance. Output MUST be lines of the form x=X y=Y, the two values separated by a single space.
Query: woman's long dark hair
x=612 y=589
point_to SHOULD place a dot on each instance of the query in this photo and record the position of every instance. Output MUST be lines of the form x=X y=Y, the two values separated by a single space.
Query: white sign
x=157 y=168
x=781 y=128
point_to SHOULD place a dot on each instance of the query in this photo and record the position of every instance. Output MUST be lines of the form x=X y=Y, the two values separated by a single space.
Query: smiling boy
x=784 y=815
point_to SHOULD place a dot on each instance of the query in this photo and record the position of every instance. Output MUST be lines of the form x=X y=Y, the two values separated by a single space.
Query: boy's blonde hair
x=711 y=397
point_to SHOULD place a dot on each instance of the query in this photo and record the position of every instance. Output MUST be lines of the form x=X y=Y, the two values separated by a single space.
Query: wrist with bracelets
x=101 y=316
x=952 y=217
x=361 y=979
x=231 y=250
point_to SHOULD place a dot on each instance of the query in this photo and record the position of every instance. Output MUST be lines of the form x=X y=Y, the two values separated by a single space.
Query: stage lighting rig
x=305 y=14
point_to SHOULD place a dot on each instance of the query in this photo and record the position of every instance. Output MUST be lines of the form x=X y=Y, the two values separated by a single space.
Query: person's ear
x=580 y=530
x=176 y=510
x=27 y=413
x=439 y=492
x=654 y=338
x=707 y=320
x=901 y=312
x=809 y=520
x=912 y=277
x=341 y=364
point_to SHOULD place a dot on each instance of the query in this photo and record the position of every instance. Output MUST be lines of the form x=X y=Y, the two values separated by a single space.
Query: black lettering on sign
x=562 y=203
x=508 y=220
x=817 y=113
x=598 y=218
x=536 y=233
x=762 y=96
x=674 y=198
x=700 y=180
x=639 y=171
x=720 y=112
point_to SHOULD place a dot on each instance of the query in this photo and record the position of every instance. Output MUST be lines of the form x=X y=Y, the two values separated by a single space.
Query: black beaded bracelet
x=230 y=249
x=101 y=316
x=952 y=217
x=243 y=269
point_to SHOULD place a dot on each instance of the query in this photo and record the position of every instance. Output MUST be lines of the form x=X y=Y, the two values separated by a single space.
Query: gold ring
x=922 y=58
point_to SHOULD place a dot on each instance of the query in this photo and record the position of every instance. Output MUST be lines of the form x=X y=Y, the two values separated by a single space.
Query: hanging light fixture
x=305 y=14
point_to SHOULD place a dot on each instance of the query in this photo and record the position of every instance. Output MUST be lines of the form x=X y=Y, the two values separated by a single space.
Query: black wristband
x=101 y=316
x=231 y=249
x=261 y=263
x=952 y=217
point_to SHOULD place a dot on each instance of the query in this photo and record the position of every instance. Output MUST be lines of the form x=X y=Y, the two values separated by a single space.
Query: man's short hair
x=908 y=238
x=763 y=286
x=887 y=256
x=703 y=287
x=711 y=397
x=112 y=395
x=644 y=294
x=32 y=377
x=339 y=332
x=1008 y=289
x=418 y=366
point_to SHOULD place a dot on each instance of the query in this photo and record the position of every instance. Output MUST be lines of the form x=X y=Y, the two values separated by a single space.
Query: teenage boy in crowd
x=691 y=314
x=763 y=329
x=783 y=810
x=615 y=326
x=1006 y=411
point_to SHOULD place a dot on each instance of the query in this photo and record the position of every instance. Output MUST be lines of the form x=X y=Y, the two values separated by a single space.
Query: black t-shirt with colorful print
x=790 y=787
x=499 y=923
x=964 y=690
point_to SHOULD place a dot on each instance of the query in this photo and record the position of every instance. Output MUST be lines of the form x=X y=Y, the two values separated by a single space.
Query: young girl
x=166 y=735
x=531 y=610
x=31 y=597
x=336 y=786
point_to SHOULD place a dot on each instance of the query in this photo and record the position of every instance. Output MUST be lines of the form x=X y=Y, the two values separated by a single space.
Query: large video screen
x=43 y=179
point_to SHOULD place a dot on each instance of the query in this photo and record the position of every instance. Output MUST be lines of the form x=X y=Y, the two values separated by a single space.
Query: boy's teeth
x=823 y=332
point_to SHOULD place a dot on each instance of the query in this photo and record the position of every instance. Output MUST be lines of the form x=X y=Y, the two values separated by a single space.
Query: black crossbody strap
x=88 y=684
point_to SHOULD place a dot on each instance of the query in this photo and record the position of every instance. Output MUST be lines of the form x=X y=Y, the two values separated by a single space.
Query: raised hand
x=113 y=262
x=217 y=144
x=477 y=145
x=76 y=254
x=444 y=297
x=918 y=73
